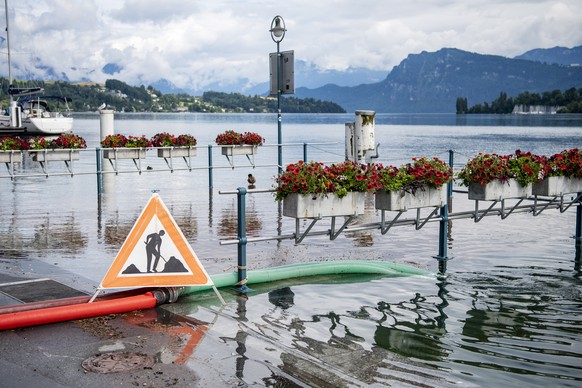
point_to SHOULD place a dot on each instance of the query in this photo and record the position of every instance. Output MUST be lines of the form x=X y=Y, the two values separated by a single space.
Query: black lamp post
x=277 y=34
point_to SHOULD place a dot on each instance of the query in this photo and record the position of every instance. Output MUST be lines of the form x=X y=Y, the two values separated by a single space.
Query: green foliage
x=66 y=141
x=570 y=100
x=87 y=97
x=525 y=167
x=317 y=179
x=9 y=143
x=236 y=102
x=462 y=105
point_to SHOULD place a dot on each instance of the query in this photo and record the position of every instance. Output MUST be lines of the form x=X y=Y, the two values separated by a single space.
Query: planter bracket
x=332 y=234
x=298 y=236
x=136 y=162
x=430 y=216
x=503 y=214
x=563 y=209
x=170 y=164
x=250 y=157
x=476 y=215
x=537 y=212
x=385 y=228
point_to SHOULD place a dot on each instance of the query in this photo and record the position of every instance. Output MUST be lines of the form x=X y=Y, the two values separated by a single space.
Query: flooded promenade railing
x=42 y=163
x=535 y=206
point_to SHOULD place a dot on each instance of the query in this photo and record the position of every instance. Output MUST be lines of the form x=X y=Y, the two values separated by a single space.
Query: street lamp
x=277 y=34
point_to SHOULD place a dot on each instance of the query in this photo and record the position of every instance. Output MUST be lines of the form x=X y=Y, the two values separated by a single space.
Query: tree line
x=569 y=101
x=87 y=97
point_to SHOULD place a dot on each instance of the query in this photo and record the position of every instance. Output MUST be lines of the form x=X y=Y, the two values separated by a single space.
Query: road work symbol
x=155 y=236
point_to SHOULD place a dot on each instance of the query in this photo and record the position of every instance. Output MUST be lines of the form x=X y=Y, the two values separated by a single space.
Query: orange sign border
x=155 y=206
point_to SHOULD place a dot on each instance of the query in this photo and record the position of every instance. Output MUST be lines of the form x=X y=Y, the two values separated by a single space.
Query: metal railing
x=107 y=161
x=535 y=205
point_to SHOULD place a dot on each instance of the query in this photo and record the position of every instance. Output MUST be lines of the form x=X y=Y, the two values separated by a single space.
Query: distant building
x=535 y=109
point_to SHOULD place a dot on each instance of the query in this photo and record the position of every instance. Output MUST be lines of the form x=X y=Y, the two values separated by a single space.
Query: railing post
x=578 y=235
x=210 y=183
x=450 y=184
x=305 y=152
x=99 y=173
x=444 y=224
x=242 y=241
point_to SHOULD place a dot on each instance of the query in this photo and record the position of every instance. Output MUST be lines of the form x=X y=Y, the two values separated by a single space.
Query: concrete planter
x=304 y=206
x=402 y=200
x=48 y=155
x=244 y=149
x=10 y=156
x=176 y=152
x=124 y=153
x=557 y=185
x=496 y=191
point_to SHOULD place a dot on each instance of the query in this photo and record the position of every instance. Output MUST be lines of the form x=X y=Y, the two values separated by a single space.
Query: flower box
x=47 y=155
x=176 y=152
x=496 y=190
x=402 y=200
x=244 y=149
x=330 y=205
x=10 y=156
x=557 y=185
x=124 y=153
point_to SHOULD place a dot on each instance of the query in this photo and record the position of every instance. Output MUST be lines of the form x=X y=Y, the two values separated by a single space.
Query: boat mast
x=8 y=46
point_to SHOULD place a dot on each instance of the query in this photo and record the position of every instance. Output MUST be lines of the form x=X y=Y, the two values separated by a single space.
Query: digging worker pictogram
x=153 y=244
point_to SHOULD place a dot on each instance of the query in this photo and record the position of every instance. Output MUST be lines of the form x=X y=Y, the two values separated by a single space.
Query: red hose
x=77 y=311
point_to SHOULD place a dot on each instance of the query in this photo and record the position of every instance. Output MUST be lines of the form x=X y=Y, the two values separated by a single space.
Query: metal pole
x=242 y=241
x=279 y=133
x=444 y=224
x=450 y=184
x=99 y=173
x=210 y=183
x=578 y=235
x=305 y=152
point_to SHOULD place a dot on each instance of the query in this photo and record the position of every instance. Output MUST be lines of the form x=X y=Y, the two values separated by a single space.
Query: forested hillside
x=570 y=101
x=123 y=97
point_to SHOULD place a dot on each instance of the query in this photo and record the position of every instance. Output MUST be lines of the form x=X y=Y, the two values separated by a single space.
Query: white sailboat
x=29 y=112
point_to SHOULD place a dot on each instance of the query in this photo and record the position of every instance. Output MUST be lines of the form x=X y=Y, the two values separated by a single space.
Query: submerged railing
x=107 y=161
x=533 y=204
x=103 y=166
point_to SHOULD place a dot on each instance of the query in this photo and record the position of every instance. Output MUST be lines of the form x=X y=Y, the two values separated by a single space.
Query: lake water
x=507 y=312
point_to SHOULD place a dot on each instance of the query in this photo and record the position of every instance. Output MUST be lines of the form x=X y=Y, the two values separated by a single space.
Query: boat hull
x=38 y=126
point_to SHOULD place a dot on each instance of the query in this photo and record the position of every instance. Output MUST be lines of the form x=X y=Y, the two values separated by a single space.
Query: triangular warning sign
x=155 y=254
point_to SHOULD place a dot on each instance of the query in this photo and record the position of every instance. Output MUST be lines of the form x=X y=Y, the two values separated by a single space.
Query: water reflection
x=119 y=225
x=419 y=337
x=240 y=338
x=183 y=333
x=187 y=220
x=228 y=223
x=364 y=238
x=578 y=260
x=116 y=230
x=282 y=297
x=12 y=243
x=66 y=237
x=344 y=357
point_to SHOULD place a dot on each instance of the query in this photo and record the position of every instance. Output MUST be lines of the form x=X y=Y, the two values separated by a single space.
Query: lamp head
x=277 y=29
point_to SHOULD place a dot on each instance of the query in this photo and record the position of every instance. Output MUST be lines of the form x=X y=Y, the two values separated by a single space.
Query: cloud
x=197 y=43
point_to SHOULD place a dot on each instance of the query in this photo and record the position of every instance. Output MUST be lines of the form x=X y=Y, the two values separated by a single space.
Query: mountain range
x=428 y=82
x=431 y=82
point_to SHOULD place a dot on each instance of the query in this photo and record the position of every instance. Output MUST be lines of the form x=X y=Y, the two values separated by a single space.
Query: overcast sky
x=194 y=43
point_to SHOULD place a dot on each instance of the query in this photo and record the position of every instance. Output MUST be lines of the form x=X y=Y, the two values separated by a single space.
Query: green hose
x=310 y=269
